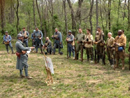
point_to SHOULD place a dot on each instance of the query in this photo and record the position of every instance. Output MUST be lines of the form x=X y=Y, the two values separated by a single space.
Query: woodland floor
x=72 y=79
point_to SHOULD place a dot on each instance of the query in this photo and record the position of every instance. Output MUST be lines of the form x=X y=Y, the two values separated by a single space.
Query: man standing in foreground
x=22 y=56
x=120 y=49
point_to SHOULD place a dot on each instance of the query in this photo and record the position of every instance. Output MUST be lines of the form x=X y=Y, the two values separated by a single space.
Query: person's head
x=56 y=29
x=80 y=30
x=47 y=38
x=69 y=32
x=20 y=37
x=119 y=32
x=6 y=33
x=36 y=28
x=109 y=34
x=123 y=31
x=88 y=31
x=99 y=29
x=23 y=28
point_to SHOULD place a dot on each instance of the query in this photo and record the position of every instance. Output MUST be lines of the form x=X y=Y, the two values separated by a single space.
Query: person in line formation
x=110 y=49
x=57 y=41
x=79 y=38
x=37 y=37
x=88 y=43
x=25 y=35
x=100 y=44
x=47 y=46
x=120 y=49
x=22 y=56
x=70 y=44
x=7 y=41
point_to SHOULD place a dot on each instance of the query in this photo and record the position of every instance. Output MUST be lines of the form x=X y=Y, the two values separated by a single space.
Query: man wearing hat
x=100 y=44
x=38 y=36
x=48 y=45
x=22 y=56
x=119 y=49
x=89 y=45
x=25 y=35
x=80 y=39
x=7 y=41
x=70 y=44
x=58 y=40
x=110 y=47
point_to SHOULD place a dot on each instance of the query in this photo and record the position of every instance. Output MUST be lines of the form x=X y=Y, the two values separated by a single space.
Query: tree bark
x=2 y=3
x=66 y=26
x=90 y=14
x=39 y=15
x=96 y=13
x=17 y=15
x=128 y=14
x=73 y=17
x=34 y=13
x=109 y=14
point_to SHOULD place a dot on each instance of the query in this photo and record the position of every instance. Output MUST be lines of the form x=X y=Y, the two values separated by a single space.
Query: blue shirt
x=7 y=38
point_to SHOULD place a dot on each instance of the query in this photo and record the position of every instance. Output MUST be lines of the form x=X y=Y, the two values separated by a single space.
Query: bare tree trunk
x=78 y=14
x=109 y=14
x=119 y=3
x=96 y=13
x=124 y=14
x=66 y=26
x=39 y=15
x=128 y=14
x=34 y=13
x=73 y=17
x=17 y=11
x=101 y=14
x=2 y=3
x=90 y=14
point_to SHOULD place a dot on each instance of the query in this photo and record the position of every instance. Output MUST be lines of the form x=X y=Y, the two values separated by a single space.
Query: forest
x=110 y=15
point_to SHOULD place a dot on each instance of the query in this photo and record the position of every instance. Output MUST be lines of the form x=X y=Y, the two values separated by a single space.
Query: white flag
x=49 y=64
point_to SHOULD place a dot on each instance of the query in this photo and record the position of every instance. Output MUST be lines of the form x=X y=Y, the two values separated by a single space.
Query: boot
x=22 y=76
x=123 y=66
x=29 y=77
x=88 y=58
x=98 y=59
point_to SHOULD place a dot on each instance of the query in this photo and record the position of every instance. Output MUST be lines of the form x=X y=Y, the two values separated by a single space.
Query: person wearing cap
x=89 y=44
x=57 y=41
x=110 y=51
x=7 y=41
x=25 y=35
x=38 y=36
x=119 y=49
x=80 y=37
x=100 y=44
x=48 y=46
x=22 y=56
x=70 y=44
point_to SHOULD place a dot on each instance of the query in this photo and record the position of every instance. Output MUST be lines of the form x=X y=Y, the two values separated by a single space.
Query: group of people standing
x=96 y=48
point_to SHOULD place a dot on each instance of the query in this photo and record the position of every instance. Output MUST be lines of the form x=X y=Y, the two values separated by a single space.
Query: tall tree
x=109 y=13
x=90 y=14
x=96 y=13
x=72 y=17
x=2 y=7
x=17 y=15
x=34 y=13
x=66 y=26
x=40 y=17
